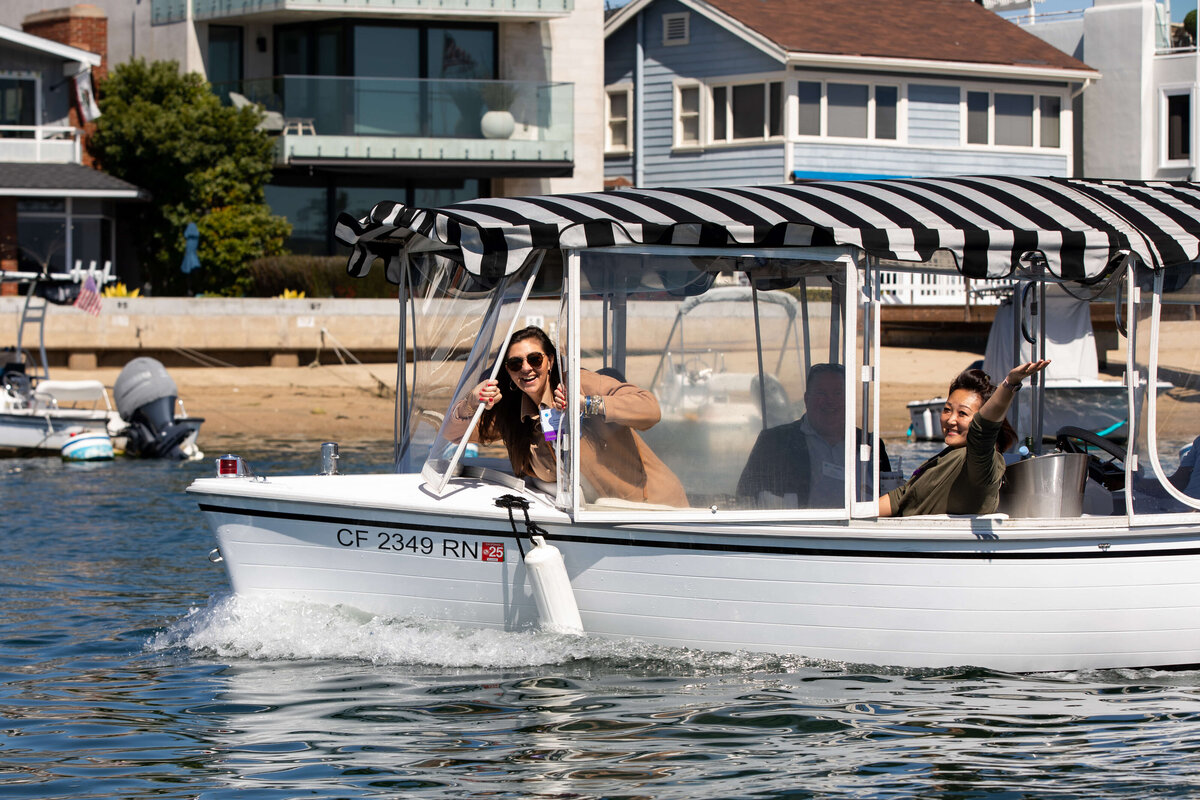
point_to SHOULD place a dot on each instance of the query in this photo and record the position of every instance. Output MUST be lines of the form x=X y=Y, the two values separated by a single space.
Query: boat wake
x=236 y=627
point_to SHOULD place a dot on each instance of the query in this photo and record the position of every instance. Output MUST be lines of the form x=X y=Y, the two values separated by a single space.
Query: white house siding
x=933 y=114
x=922 y=162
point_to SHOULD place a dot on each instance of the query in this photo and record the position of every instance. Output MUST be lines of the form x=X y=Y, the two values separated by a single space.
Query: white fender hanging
x=552 y=588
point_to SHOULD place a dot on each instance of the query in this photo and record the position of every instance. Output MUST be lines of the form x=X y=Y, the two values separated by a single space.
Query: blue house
x=718 y=92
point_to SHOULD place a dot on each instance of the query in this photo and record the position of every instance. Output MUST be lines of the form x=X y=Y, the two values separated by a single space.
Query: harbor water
x=127 y=670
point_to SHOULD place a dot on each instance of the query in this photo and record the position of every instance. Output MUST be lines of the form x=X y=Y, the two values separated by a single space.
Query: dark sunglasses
x=535 y=360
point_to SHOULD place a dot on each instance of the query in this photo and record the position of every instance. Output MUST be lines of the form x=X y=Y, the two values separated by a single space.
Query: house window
x=809 y=96
x=887 y=99
x=687 y=101
x=977 y=118
x=1050 y=110
x=619 y=128
x=1177 y=139
x=747 y=111
x=847 y=103
x=849 y=111
x=676 y=28
x=1014 y=119
x=17 y=102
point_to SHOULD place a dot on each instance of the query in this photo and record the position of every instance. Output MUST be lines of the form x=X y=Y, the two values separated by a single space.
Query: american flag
x=89 y=298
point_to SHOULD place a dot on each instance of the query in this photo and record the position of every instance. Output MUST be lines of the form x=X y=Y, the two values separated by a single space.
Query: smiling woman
x=519 y=406
x=965 y=477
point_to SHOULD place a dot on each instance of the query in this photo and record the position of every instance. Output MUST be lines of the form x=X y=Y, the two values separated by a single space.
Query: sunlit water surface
x=128 y=670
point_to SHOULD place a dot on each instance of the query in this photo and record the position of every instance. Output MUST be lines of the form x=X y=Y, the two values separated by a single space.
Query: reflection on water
x=127 y=670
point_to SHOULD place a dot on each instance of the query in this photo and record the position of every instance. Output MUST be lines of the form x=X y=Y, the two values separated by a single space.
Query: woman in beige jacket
x=614 y=460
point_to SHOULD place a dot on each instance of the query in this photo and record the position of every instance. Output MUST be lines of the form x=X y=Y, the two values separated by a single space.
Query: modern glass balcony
x=166 y=11
x=404 y=119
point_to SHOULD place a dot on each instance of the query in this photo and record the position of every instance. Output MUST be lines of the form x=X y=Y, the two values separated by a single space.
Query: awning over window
x=988 y=223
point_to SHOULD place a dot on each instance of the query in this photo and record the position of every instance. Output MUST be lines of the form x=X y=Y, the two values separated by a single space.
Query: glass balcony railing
x=168 y=10
x=408 y=108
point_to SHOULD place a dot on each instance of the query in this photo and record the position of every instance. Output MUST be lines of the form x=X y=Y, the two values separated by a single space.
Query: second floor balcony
x=330 y=119
x=165 y=12
x=40 y=144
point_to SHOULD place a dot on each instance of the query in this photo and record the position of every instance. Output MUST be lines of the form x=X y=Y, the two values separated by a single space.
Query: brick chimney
x=84 y=26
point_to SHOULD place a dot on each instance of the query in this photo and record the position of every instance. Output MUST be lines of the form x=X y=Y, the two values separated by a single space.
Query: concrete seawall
x=209 y=330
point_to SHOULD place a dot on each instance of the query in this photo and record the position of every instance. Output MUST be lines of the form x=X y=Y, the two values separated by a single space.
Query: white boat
x=1110 y=582
x=39 y=415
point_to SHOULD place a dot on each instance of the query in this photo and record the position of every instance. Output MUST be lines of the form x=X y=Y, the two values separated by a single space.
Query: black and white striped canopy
x=988 y=223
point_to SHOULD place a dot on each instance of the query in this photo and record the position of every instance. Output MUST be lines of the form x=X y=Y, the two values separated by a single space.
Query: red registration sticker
x=492 y=551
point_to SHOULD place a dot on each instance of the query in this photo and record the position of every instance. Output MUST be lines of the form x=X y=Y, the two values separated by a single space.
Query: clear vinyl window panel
x=734 y=427
x=1176 y=422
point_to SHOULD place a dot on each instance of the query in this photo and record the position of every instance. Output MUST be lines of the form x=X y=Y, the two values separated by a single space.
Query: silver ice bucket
x=1045 y=486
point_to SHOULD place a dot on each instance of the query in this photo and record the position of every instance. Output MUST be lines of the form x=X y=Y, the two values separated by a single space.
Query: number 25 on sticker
x=492 y=551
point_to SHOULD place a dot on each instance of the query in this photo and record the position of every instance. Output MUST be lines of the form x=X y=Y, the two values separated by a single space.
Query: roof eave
x=931 y=66
x=64 y=51
x=731 y=24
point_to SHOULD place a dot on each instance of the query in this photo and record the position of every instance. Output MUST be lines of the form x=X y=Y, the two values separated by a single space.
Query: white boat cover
x=1070 y=342
x=988 y=223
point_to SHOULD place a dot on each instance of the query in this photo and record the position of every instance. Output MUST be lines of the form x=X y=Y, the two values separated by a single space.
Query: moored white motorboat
x=39 y=415
x=1113 y=582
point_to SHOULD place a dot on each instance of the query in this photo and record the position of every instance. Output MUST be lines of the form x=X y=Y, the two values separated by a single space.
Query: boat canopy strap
x=511 y=501
x=988 y=223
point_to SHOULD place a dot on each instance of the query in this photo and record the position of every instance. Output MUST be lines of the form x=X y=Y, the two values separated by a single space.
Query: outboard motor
x=145 y=396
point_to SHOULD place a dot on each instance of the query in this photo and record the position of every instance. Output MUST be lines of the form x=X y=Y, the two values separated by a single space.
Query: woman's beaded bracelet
x=593 y=405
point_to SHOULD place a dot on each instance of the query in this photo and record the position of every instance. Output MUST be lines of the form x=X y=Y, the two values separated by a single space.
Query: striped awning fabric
x=988 y=223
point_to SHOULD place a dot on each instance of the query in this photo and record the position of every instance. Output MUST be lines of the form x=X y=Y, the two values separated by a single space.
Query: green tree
x=201 y=162
x=1189 y=23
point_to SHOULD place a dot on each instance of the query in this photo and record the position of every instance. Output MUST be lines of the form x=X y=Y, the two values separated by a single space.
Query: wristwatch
x=1011 y=388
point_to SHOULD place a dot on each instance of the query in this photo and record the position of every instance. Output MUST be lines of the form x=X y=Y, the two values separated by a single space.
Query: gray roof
x=63 y=180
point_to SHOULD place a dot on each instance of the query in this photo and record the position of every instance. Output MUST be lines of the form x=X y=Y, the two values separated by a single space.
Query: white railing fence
x=40 y=144
x=924 y=289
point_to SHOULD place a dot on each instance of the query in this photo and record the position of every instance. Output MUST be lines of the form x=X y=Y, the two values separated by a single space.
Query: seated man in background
x=801 y=464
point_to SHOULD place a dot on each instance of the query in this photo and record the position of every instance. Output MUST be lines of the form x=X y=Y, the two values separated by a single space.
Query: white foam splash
x=236 y=627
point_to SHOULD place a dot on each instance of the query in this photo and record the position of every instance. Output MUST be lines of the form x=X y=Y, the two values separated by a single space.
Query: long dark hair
x=978 y=382
x=503 y=420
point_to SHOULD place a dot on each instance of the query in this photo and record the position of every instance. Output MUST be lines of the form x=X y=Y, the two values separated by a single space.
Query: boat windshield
x=1168 y=366
x=454 y=317
x=744 y=357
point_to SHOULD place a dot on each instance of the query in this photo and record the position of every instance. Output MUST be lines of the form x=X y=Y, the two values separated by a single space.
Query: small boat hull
x=1023 y=596
x=92 y=446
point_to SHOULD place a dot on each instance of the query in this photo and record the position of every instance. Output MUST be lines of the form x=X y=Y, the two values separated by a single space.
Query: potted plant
x=497 y=122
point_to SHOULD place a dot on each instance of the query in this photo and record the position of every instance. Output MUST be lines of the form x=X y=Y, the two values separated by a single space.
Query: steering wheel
x=1108 y=472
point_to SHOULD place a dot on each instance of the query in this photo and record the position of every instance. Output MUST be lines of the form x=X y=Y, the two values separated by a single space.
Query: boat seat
x=73 y=391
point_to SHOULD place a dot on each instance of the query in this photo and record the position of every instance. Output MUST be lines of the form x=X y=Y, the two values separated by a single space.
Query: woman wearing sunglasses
x=614 y=460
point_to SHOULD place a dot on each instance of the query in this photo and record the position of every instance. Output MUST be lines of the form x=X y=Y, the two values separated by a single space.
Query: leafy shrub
x=316 y=276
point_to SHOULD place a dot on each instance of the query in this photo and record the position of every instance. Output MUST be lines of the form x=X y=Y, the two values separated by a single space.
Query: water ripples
x=127 y=670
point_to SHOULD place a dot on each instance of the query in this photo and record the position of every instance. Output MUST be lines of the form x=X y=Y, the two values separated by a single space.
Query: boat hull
x=1022 y=596
x=48 y=430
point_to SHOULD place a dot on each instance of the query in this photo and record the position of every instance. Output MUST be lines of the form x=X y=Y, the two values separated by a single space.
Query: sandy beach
x=357 y=401
x=345 y=402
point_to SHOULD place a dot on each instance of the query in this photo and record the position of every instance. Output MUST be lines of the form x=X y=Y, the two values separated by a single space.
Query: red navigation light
x=229 y=467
